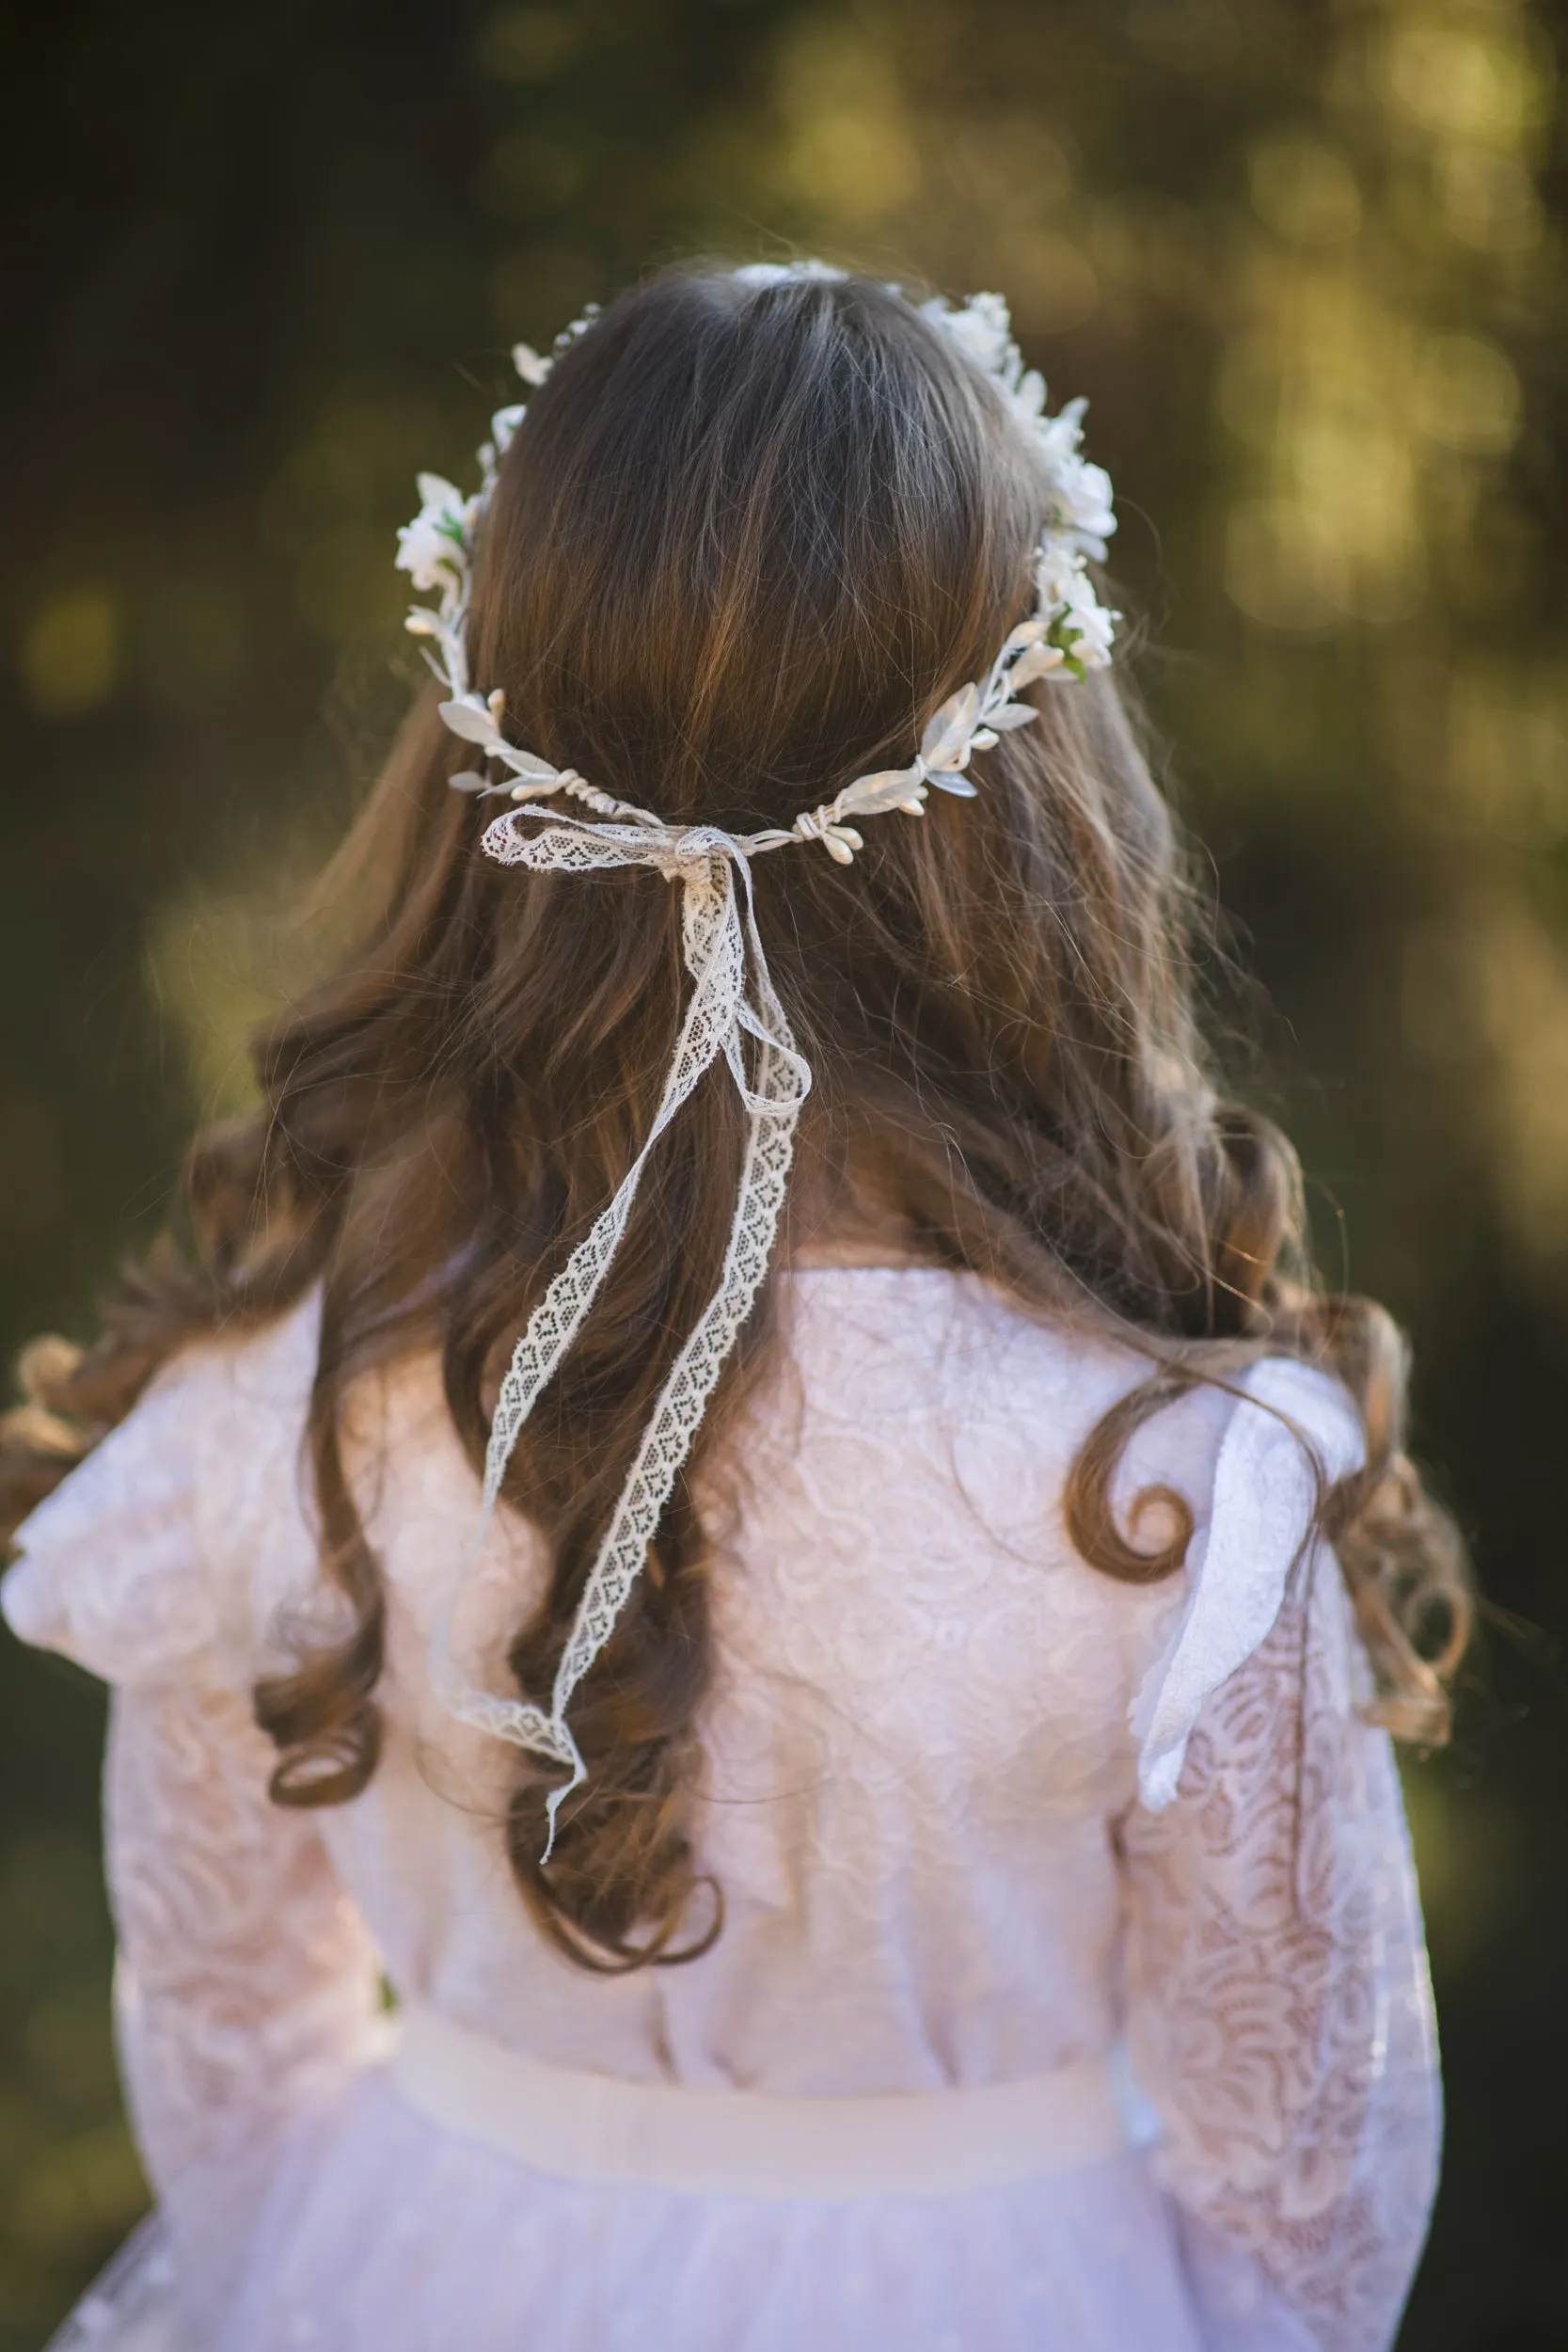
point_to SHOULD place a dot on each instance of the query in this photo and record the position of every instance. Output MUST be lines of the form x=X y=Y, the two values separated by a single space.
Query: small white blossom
x=1084 y=503
x=1060 y=434
x=788 y=273
x=504 y=423
x=434 y=548
x=1028 y=397
x=423 y=553
x=1083 y=515
x=1080 y=623
x=983 y=332
x=1085 y=618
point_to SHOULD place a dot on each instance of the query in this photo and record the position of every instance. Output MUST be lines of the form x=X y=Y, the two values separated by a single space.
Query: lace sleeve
x=247 y=1990
x=1278 y=2007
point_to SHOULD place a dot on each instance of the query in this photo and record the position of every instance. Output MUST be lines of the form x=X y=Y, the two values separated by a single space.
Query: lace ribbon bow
x=719 y=938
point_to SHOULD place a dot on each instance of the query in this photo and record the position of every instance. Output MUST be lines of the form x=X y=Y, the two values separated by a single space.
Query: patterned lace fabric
x=1279 y=2014
x=975 y=1811
x=247 y=1992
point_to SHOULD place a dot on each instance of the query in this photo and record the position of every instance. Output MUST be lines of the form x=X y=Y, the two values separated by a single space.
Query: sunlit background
x=1307 y=259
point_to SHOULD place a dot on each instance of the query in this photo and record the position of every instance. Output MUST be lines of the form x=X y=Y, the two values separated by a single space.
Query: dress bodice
x=975 y=1809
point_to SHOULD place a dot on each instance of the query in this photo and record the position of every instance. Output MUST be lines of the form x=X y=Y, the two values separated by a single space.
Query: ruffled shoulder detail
x=111 y=1571
x=1292 y=1425
x=116 y=1566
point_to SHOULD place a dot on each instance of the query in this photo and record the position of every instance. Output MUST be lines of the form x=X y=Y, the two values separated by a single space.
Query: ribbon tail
x=557 y=1797
x=666 y=1442
x=716 y=938
x=713 y=956
x=769 y=1025
x=561 y=1313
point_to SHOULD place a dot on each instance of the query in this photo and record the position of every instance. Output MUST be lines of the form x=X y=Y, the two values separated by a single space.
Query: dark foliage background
x=1307 y=257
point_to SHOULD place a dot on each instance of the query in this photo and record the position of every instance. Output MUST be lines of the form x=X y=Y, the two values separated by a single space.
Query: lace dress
x=977 y=1812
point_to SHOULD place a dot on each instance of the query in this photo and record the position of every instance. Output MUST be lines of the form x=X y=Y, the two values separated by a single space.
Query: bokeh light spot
x=70 y=652
x=848 y=148
x=1492 y=85
x=528 y=44
x=1488 y=200
x=1304 y=191
x=1467 y=397
x=1282 y=567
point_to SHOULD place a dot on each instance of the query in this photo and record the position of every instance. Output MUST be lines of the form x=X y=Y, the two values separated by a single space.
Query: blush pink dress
x=980 y=1816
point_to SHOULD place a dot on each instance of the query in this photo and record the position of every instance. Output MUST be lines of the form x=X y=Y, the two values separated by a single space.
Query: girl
x=746 y=1490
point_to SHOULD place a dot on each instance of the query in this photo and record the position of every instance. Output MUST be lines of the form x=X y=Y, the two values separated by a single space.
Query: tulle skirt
x=381 y=2232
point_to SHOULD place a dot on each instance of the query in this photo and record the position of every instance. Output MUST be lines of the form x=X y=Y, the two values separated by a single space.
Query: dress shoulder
x=121 y=1567
x=1292 y=1430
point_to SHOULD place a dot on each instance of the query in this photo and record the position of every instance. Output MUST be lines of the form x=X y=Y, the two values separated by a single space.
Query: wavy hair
x=745 y=543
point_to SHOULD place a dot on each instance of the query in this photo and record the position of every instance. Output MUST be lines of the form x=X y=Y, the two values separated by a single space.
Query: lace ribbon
x=719 y=938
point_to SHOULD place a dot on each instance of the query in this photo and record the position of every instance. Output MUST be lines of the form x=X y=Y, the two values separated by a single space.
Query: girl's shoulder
x=939 y=1340
x=119 y=1567
x=948 y=1348
x=926 y=1368
x=187 y=1539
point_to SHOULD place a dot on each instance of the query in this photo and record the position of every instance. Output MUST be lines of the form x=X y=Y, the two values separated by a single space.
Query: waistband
x=581 y=2126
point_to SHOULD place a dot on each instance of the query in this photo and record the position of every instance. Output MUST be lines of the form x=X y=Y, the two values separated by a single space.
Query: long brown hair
x=745 y=542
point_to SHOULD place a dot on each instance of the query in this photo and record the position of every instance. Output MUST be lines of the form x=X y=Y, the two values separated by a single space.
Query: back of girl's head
x=747 y=540
x=744 y=536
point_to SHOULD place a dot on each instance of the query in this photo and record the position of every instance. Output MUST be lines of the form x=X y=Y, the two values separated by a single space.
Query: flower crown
x=1068 y=632
x=732 y=1012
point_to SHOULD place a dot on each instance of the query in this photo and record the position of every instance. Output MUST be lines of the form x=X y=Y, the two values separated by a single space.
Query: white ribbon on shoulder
x=720 y=941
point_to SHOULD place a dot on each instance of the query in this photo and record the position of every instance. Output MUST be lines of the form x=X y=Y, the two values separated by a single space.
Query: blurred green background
x=1307 y=259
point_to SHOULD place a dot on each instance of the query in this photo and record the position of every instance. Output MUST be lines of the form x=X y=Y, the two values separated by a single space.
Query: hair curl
x=744 y=544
